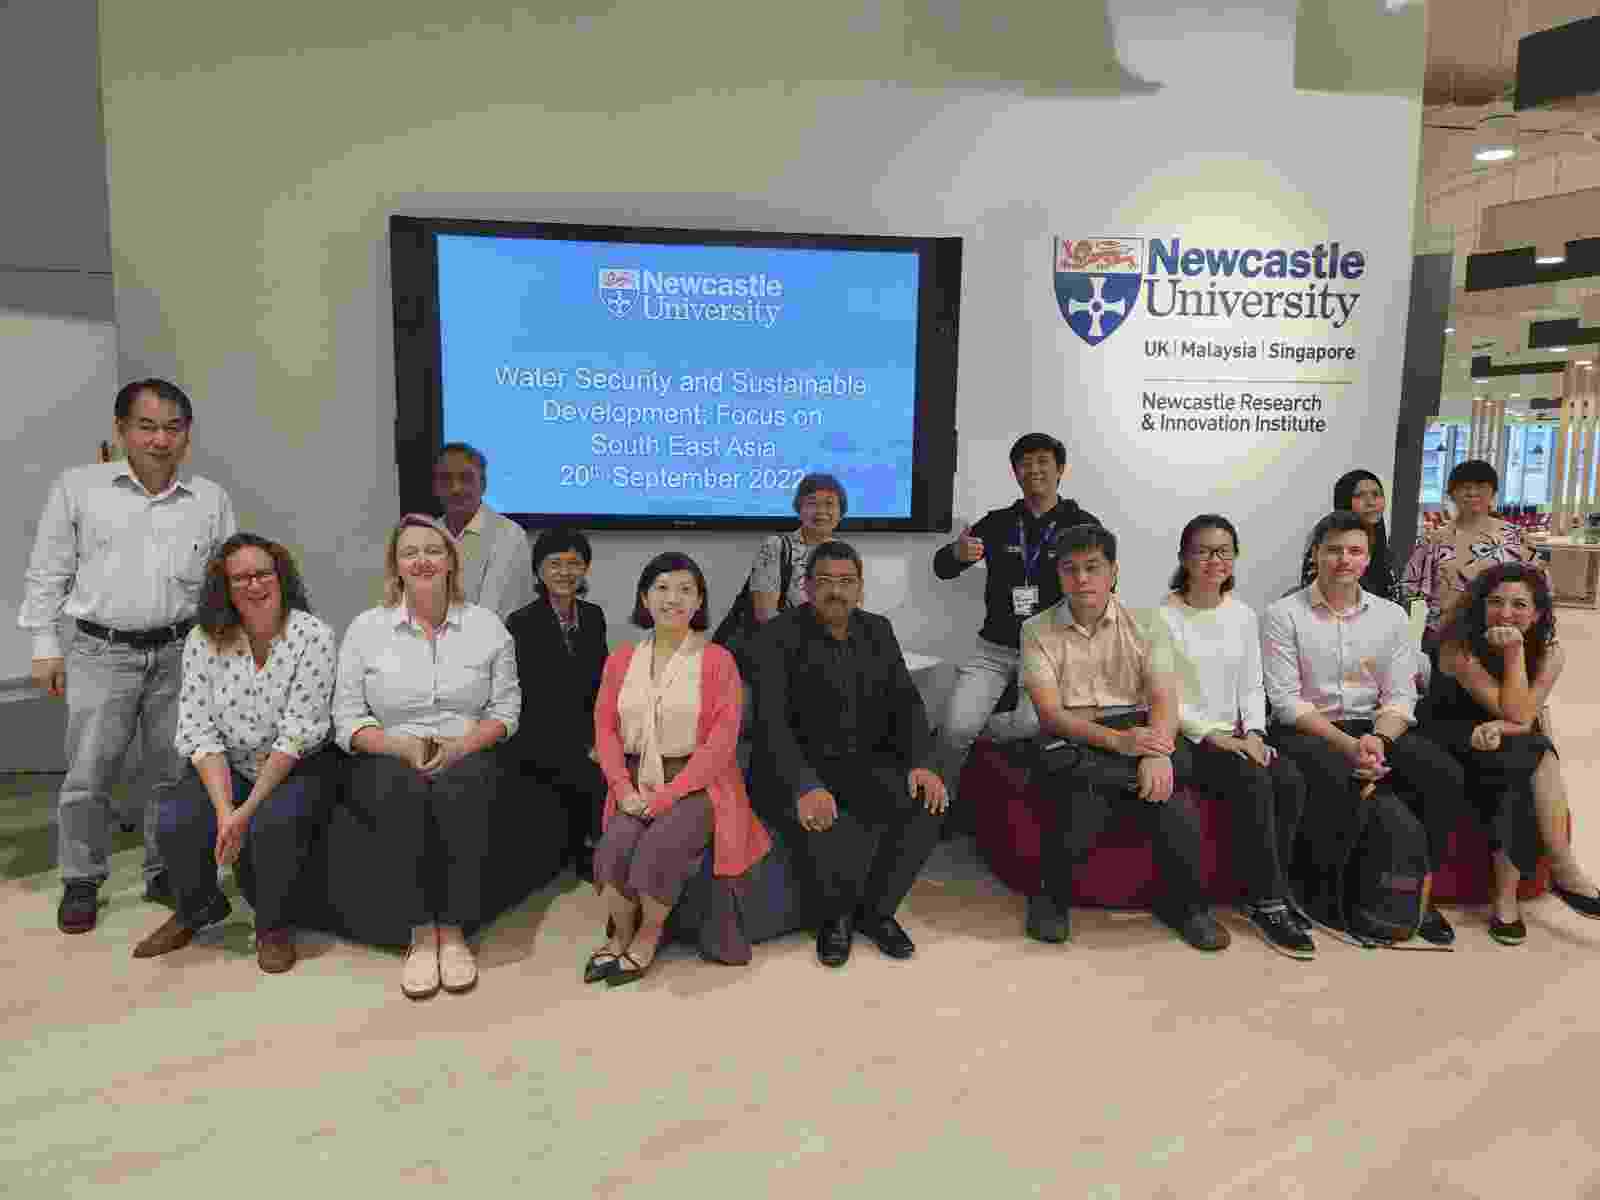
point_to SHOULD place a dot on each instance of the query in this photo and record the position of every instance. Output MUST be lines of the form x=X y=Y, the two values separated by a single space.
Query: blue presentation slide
x=678 y=380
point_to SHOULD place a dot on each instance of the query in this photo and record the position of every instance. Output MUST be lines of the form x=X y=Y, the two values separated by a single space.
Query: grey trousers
x=115 y=693
x=969 y=711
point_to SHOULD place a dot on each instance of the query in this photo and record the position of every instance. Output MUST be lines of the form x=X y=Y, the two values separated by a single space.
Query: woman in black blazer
x=561 y=651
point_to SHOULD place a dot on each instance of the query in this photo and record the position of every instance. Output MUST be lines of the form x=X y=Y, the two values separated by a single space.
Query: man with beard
x=842 y=748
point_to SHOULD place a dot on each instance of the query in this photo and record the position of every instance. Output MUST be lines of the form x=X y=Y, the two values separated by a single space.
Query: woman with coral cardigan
x=666 y=727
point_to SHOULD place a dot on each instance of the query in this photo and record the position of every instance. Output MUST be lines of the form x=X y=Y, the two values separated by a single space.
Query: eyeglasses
x=1220 y=553
x=250 y=577
x=556 y=567
x=842 y=582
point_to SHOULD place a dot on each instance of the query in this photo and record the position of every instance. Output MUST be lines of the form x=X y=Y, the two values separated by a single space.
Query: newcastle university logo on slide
x=619 y=287
x=1097 y=283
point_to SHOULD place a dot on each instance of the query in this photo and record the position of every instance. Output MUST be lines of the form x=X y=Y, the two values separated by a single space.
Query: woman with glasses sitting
x=427 y=687
x=258 y=674
x=1223 y=713
x=561 y=640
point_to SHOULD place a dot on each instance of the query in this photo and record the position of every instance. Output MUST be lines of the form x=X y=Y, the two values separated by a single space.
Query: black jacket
x=558 y=686
x=1004 y=553
x=799 y=700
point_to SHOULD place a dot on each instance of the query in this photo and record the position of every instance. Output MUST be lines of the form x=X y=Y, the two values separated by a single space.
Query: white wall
x=262 y=287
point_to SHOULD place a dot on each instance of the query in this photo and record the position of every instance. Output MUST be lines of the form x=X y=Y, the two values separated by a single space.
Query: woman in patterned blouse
x=821 y=503
x=1447 y=560
x=258 y=672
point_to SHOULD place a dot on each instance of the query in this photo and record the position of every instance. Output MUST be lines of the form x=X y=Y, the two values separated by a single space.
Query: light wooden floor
x=1121 y=1065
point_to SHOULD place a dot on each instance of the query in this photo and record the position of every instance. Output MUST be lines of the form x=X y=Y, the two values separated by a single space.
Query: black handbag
x=736 y=630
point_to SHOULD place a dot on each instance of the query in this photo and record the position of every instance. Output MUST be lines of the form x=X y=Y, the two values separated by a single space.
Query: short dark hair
x=834 y=551
x=471 y=452
x=1339 y=521
x=821 y=481
x=1077 y=539
x=1467 y=628
x=1029 y=442
x=164 y=389
x=558 y=541
x=1180 y=577
x=1473 y=470
x=218 y=615
x=664 y=564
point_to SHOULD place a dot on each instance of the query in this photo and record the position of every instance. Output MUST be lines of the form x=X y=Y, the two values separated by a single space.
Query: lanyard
x=1030 y=560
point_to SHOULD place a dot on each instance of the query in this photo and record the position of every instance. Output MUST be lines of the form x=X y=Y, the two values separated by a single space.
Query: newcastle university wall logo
x=1097 y=283
x=619 y=286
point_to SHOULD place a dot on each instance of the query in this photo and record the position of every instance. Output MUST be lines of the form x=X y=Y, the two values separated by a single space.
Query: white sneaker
x=458 y=970
x=420 y=976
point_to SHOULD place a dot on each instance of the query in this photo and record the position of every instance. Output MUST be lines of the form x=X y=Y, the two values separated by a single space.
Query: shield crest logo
x=619 y=287
x=1097 y=283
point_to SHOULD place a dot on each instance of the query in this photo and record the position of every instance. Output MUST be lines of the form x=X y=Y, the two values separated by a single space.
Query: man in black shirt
x=841 y=752
x=1018 y=544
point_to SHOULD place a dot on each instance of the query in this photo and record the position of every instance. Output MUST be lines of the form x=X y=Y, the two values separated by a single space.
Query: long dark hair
x=1344 y=496
x=1470 y=623
x=1180 y=578
x=217 y=615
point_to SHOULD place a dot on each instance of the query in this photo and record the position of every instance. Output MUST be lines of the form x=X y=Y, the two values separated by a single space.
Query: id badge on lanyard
x=1025 y=599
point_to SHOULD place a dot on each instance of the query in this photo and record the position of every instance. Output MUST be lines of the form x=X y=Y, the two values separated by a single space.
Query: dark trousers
x=869 y=857
x=274 y=847
x=1266 y=804
x=1422 y=774
x=1087 y=796
x=432 y=834
x=655 y=858
x=580 y=787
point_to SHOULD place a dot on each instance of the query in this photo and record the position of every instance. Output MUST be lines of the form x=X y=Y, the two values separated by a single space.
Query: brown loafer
x=172 y=935
x=275 y=952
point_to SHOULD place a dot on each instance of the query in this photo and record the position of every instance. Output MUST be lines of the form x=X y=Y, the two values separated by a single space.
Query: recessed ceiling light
x=1556 y=349
x=1495 y=153
x=1449 y=328
x=1477 y=381
x=1550 y=260
x=1584 y=362
x=1516 y=395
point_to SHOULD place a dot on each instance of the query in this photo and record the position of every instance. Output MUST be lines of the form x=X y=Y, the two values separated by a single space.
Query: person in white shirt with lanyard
x=496 y=557
x=121 y=550
x=1223 y=713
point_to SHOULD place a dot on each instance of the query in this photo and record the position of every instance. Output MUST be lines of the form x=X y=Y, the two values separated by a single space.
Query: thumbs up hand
x=968 y=548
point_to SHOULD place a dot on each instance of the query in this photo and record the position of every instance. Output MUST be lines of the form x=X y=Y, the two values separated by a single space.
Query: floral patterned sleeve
x=305 y=722
x=197 y=728
x=764 y=574
x=1422 y=576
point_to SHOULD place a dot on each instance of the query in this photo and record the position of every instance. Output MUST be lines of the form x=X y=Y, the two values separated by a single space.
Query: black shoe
x=1278 y=928
x=80 y=906
x=1584 y=906
x=1203 y=931
x=1507 y=933
x=888 y=935
x=1434 y=929
x=1047 y=921
x=833 y=942
x=1300 y=921
x=158 y=890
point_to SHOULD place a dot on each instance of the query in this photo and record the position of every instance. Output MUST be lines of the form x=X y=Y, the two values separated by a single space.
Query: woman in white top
x=1224 y=714
x=252 y=722
x=427 y=687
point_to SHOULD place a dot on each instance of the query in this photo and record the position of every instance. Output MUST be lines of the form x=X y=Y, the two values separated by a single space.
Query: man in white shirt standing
x=496 y=559
x=121 y=550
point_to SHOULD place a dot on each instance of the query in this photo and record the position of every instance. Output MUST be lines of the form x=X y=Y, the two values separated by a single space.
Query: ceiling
x=1467 y=105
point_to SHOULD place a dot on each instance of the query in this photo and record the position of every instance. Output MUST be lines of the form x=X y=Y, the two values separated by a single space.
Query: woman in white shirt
x=427 y=687
x=252 y=722
x=1224 y=714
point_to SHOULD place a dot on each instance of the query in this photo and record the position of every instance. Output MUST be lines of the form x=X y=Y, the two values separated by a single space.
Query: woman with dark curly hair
x=1498 y=661
x=253 y=720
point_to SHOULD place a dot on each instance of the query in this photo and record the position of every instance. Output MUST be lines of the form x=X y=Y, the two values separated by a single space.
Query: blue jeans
x=980 y=682
x=113 y=693
x=274 y=848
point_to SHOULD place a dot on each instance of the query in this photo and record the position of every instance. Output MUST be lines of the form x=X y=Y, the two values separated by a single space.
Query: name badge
x=1024 y=600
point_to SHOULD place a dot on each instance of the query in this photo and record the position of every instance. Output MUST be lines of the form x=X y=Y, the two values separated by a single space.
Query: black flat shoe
x=888 y=935
x=602 y=963
x=1507 y=933
x=1435 y=930
x=1584 y=906
x=1047 y=921
x=158 y=890
x=833 y=942
x=627 y=970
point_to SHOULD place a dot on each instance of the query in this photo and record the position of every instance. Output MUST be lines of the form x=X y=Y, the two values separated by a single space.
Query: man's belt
x=139 y=639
